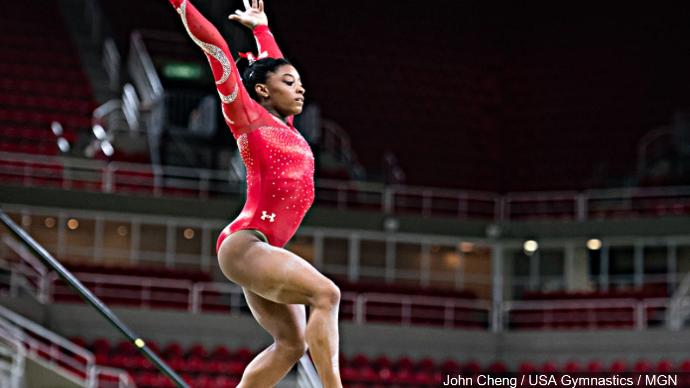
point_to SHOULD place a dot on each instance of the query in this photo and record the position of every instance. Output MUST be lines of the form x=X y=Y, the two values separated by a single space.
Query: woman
x=280 y=189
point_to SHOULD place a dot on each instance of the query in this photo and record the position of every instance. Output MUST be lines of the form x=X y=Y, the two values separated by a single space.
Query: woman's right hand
x=252 y=16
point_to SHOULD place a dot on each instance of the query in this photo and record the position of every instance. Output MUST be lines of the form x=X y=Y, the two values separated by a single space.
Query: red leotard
x=279 y=162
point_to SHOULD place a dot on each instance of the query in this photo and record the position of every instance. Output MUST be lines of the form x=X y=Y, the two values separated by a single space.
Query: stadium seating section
x=41 y=79
x=218 y=366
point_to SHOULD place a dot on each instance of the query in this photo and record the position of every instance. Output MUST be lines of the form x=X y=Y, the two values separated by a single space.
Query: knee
x=327 y=296
x=292 y=349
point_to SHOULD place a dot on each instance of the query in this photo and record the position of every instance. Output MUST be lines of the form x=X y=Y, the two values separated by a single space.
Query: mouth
x=300 y=100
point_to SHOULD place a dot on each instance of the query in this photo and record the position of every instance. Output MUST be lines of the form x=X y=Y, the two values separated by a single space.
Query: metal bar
x=307 y=377
x=100 y=307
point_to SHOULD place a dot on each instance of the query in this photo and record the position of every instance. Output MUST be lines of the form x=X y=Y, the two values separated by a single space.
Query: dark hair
x=257 y=73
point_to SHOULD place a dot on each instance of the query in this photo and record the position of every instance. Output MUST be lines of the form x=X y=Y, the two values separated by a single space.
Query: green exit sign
x=188 y=71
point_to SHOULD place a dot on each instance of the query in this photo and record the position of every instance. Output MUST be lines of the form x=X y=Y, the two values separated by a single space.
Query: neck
x=274 y=112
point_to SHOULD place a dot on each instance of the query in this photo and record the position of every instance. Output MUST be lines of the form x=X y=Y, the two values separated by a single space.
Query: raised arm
x=238 y=108
x=254 y=18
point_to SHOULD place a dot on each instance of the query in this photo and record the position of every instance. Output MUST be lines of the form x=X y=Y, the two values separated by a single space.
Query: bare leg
x=282 y=277
x=286 y=324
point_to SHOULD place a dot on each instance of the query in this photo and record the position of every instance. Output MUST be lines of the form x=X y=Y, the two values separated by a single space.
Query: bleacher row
x=219 y=366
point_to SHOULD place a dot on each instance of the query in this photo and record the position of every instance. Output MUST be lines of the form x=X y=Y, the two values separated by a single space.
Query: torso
x=280 y=181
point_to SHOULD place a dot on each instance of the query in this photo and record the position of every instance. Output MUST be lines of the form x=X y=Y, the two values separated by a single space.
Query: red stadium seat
x=685 y=366
x=197 y=350
x=403 y=363
x=382 y=362
x=450 y=367
x=642 y=366
x=359 y=361
x=79 y=341
x=549 y=367
x=618 y=366
x=173 y=350
x=126 y=348
x=425 y=365
x=220 y=352
x=664 y=366
x=471 y=368
x=572 y=366
x=527 y=367
x=101 y=345
x=243 y=355
x=595 y=366
x=497 y=367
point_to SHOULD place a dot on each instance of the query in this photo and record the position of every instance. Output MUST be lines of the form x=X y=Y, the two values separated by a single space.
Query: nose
x=301 y=89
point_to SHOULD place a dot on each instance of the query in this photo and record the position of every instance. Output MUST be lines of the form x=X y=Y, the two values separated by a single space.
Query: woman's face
x=283 y=91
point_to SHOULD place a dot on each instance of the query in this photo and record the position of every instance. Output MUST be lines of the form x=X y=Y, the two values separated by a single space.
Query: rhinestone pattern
x=212 y=50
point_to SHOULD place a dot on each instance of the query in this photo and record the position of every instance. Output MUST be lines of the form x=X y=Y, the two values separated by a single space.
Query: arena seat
x=594 y=366
x=618 y=366
x=685 y=366
x=220 y=353
x=572 y=366
x=361 y=370
x=173 y=350
x=527 y=367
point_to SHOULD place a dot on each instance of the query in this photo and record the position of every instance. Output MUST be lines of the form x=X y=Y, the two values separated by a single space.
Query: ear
x=261 y=90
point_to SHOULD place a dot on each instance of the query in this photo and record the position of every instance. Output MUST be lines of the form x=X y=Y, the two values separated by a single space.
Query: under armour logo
x=265 y=215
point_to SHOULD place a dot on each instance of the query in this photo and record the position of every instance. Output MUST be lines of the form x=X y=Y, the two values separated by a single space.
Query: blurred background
x=499 y=188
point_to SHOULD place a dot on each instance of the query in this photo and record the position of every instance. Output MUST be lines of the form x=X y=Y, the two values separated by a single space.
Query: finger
x=236 y=16
x=261 y=5
x=255 y=4
x=246 y=4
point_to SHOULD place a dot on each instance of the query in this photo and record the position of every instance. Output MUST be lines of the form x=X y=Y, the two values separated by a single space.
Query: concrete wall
x=40 y=375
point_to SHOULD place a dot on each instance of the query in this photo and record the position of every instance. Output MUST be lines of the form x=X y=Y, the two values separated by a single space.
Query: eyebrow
x=288 y=74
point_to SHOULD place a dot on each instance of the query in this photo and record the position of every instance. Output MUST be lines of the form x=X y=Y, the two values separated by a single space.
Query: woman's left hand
x=252 y=16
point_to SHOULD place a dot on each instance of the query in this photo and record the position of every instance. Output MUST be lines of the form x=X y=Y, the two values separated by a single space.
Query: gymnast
x=259 y=108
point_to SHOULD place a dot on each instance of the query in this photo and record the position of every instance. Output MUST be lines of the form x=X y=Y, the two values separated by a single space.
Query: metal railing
x=12 y=355
x=109 y=377
x=29 y=273
x=414 y=309
x=680 y=304
x=367 y=307
x=585 y=313
x=74 y=173
x=56 y=351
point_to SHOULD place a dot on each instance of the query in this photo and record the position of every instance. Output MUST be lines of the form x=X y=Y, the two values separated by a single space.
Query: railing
x=365 y=307
x=12 y=356
x=585 y=314
x=680 y=304
x=72 y=173
x=204 y=297
x=412 y=309
x=111 y=63
x=29 y=274
x=109 y=377
x=58 y=352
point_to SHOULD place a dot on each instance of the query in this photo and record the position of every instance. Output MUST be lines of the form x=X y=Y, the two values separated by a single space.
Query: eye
x=289 y=83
